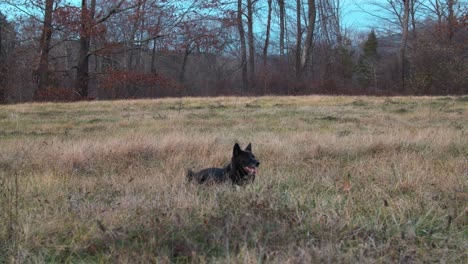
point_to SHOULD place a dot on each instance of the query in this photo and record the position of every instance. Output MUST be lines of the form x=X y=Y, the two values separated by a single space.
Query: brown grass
x=343 y=179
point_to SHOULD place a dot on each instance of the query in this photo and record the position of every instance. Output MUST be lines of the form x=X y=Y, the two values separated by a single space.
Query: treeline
x=111 y=49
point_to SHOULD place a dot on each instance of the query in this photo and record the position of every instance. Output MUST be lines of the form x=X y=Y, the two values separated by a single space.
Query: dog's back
x=208 y=176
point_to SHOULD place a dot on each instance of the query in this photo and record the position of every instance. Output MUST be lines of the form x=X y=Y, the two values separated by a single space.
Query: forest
x=56 y=50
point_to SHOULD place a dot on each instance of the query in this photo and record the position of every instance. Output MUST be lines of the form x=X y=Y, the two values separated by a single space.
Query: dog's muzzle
x=251 y=169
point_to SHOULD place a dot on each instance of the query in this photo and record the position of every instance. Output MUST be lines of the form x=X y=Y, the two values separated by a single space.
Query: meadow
x=341 y=180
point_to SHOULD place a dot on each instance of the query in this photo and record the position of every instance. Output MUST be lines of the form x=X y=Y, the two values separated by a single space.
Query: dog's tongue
x=251 y=169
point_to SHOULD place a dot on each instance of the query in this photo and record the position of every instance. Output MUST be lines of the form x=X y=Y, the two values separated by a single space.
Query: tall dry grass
x=342 y=179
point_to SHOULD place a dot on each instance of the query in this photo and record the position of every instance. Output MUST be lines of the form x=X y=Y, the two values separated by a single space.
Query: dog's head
x=245 y=159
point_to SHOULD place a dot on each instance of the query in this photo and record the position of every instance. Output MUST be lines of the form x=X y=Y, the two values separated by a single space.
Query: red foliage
x=131 y=84
x=68 y=17
x=56 y=94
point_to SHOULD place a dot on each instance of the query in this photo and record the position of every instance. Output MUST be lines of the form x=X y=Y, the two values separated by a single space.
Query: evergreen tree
x=368 y=62
x=370 y=46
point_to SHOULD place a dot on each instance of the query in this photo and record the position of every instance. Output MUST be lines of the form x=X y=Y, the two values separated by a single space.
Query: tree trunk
x=404 y=40
x=141 y=15
x=265 y=47
x=267 y=34
x=438 y=12
x=282 y=13
x=87 y=23
x=374 y=75
x=324 y=22
x=42 y=71
x=335 y=13
x=298 y=40
x=451 y=18
x=184 y=64
x=240 y=26
x=309 y=40
x=250 y=36
x=153 y=57
x=413 y=19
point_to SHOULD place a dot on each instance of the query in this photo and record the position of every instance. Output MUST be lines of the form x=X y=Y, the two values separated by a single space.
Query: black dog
x=240 y=171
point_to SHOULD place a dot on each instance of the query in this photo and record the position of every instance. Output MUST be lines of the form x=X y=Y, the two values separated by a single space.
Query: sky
x=353 y=16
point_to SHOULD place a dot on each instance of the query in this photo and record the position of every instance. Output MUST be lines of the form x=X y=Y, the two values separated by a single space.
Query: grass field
x=342 y=179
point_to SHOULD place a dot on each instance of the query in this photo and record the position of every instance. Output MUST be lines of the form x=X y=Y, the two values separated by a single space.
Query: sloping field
x=342 y=179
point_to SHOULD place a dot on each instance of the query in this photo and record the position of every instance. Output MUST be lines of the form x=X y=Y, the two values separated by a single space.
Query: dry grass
x=343 y=179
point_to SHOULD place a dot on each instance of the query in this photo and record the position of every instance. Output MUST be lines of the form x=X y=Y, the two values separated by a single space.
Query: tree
x=368 y=61
x=438 y=63
x=42 y=15
x=446 y=14
x=88 y=28
x=403 y=42
x=345 y=53
x=267 y=34
x=41 y=73
x=202 y=37
x=370 y=46
x=250 y=36
x=282 y=21
x=298 y=40
x=4 y=28
x=451 y=18
x=82 y=67
x=308 y=43
x=266 y=45
x=413 y=10
x=397 y=14
x=243 y=59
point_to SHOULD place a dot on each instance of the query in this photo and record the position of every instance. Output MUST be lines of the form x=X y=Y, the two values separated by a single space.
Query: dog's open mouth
x=251 y=170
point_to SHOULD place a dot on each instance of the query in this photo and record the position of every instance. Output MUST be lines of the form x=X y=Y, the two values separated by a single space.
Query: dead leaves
x=346 y=184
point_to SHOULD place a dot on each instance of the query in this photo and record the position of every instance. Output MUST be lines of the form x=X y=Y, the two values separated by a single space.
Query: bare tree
x=88 y=23
x=188 y=50
x=282 y=19
x=250 y=36
x=267 y=34
x=413 y=11
x=404 y=40
x=41 y=73
x=240 y=27
x=298 y=40
x=451 y=18
x=435 y=6
x=136 y=35
x=445 y=12
x=308 y=44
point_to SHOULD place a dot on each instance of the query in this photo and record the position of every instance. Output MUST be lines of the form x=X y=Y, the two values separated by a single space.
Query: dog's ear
x=249 y=147
x=237 y=150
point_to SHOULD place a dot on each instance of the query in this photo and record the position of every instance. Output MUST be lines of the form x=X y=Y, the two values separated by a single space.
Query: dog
x=242 y=169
